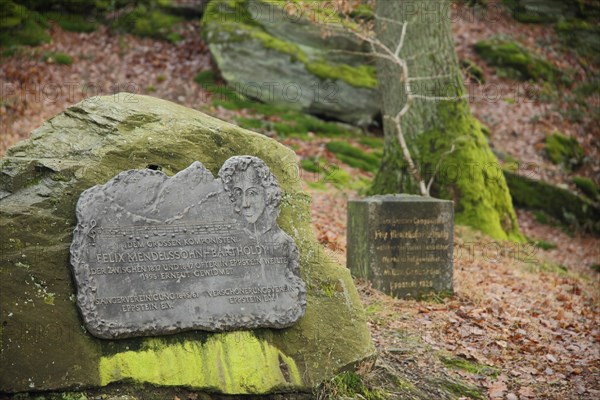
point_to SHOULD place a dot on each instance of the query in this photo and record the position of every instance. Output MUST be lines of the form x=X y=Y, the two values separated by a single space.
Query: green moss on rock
x=468 y=366
x=564 y=150
x=241 y=25
x=515 y=61
x=149 y=22
x=58 y=58
x=587 y=186
x=354 y=156
x=553 y=201
x=307 y=72
x=237 y=362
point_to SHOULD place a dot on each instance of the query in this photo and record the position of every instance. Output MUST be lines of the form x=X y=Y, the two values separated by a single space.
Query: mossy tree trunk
x=443 y=137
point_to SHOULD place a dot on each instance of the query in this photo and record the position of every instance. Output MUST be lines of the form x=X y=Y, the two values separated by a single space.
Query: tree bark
x=445 y=140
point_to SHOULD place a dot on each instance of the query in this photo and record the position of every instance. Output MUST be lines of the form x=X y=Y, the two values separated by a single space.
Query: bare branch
x=406 y=153
x=382 y=51
x=401 y=41
x=439 y=98
x=437 y=167
x=391 y=21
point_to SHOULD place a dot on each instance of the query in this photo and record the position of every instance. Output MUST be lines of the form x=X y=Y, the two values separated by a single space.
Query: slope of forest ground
x=525 y=319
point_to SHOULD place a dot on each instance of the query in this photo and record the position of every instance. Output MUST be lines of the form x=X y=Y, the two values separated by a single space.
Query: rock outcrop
x=299 y=58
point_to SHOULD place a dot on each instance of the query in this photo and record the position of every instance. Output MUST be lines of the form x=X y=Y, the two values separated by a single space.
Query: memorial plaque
x=402 y=243
x=154 y=254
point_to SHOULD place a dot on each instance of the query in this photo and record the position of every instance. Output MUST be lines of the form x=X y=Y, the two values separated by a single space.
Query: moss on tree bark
x=444 y=139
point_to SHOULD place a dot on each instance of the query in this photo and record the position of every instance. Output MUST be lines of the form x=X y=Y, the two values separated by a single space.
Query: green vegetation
x=372 y=142
x=205 y=77
x=311 y=164
x=472 y=70
x=481 y=197
x=354 y=156
x=544 y=245
x=330 y=173
x=144 y=21
x=589 y=88
x=363 y=12
x=514 y=61
x=251 y=123
x=469 y=366
x=538 y=11
x=581 y=36
x=58 y=58
x=349 y=384
x=283 y=121
x=546 y=267
x=233 y=18
x=72 y=22
x=564 y=150
x=561 y=204
x=587 y=186
x=545 y=219
x=459 y=389
x=20 y=26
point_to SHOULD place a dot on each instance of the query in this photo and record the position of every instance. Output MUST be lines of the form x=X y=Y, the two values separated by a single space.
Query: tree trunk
x=444 y=139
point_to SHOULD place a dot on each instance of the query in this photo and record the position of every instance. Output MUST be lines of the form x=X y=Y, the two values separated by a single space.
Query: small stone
x=402 y=244
x=511 y=396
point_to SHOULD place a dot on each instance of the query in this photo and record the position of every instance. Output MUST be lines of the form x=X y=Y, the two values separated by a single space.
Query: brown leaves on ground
x=540 y=327
x=104 y=63
x=531 y=314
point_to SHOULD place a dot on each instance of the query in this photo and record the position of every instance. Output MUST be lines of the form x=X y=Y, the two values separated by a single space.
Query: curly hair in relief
x=264 y=177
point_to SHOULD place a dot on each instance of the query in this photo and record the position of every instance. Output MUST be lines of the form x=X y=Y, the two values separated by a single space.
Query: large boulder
x=44 y=345
x=551 y=10
x=281 y=53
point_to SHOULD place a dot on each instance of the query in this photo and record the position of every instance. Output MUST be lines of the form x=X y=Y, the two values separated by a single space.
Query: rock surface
x=44 y=345
x=272 y=51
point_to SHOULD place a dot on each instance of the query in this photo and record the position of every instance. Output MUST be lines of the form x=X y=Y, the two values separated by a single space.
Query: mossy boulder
x=514 y=61
x=544 y=11
x=44 y=345
x=587 y=186
x=564 y=150
x=581 y=36
x=567 y=207
x=276 y=53
x=149 y=21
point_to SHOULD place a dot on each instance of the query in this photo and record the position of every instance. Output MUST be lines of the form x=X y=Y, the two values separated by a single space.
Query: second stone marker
x=402 y=244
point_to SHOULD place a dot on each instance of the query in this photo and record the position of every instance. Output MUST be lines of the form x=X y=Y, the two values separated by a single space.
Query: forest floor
x=524 y=321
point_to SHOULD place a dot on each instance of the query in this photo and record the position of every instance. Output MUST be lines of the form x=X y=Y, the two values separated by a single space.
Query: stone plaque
x=402 y=243
x=154 y=254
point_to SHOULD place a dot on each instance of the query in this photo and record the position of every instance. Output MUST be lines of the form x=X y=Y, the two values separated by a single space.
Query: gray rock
x=286 y=60
x=43 y=340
